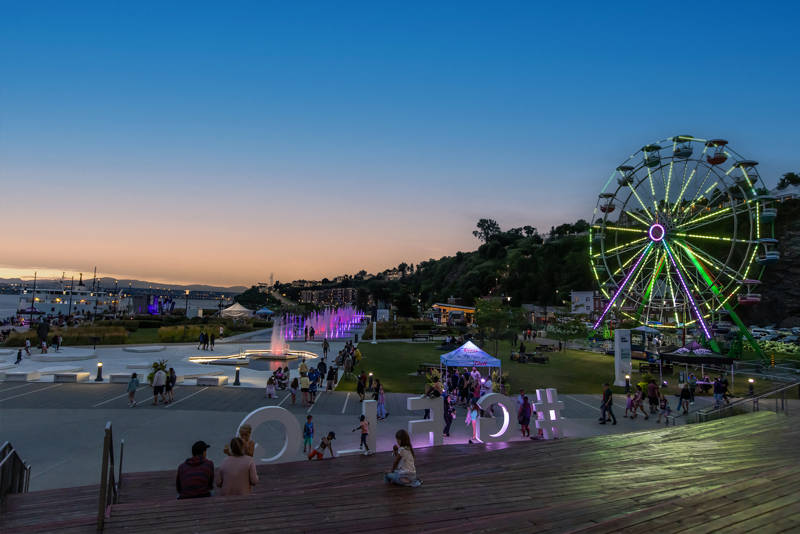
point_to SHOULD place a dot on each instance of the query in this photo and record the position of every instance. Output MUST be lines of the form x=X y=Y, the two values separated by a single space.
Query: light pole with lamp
x=186 y=291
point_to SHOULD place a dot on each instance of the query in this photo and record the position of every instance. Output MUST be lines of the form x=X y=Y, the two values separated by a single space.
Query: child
x=404 y=472
x=664 y=410
x=270 y=387
x=293 y=389
x=325 y=443
x=472 y=418
x=133 y=385
x=629 y=406
x=364 y=426
x=308 y=434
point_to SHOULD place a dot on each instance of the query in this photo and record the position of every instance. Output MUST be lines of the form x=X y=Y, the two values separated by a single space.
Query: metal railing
x=752 y=404
x=109 y=483
x=15 y=474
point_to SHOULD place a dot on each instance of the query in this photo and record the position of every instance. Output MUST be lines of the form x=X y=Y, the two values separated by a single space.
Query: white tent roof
x=236 y=311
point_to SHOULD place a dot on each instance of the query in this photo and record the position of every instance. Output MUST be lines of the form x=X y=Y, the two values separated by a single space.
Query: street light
x=187 y=302
x=627 y=383
x=750 y=387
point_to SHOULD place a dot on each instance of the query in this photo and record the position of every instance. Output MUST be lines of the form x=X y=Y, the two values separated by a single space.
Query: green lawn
x=569 y=371
x=143 y=335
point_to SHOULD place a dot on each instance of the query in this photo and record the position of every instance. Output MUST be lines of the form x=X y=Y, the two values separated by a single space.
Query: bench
x=23 y=376
x=421 y=337
x=653 y=368
x=212 y=380
x=80 y=376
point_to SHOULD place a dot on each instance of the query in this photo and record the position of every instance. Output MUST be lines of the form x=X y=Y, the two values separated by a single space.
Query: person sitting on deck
x=237 y=474
x=404 y=471
x=196 y=475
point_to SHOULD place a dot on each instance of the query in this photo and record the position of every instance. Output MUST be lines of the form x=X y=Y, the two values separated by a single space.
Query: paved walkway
x=33 y=415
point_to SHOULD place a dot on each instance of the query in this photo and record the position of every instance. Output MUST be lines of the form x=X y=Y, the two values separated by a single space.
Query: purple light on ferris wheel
x=621 y=287
x=686 y=291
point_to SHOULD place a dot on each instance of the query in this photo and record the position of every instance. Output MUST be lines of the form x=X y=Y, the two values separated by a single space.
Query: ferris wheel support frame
x=742 y=327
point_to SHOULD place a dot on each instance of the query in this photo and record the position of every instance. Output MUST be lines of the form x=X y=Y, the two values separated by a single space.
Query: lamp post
x=236 y=380
x=627 y=383
x=186 y=291
x=750 y=391
x=99 y=372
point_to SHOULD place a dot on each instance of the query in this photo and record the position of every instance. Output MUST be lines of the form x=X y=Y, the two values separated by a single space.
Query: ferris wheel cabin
x=769 y=253
x=683 y=146
x=626 y=176
x=750 y=298
x=651 y=155
x=718 y=156
x=768 y=213
x=607 y=204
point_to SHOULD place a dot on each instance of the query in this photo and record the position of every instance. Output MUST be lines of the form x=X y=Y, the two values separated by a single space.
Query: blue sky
x=297 y=131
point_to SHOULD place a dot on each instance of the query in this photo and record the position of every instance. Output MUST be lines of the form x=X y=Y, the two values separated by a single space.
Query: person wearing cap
x=196 y=475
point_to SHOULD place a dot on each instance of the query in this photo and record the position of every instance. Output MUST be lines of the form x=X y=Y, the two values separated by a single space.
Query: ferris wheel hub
x=657 y=232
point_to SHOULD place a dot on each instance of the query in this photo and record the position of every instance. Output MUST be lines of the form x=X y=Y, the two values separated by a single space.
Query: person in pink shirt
x=237 y=475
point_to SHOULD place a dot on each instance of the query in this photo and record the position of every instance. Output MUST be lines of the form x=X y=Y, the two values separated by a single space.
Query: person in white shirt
x=159 y=381
x=404 y=472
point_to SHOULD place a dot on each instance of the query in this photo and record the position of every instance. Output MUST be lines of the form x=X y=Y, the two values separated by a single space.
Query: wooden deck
x=734 y=475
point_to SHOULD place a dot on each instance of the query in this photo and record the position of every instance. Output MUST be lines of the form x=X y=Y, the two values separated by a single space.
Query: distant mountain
x=123 y=283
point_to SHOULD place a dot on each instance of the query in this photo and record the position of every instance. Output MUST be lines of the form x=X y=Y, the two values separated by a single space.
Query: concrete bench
x=23 y=376
x=119 y=378
x=212 y=380
x=79 y=376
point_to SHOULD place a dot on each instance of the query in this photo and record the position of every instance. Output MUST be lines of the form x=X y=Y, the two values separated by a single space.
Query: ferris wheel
x=682 y=231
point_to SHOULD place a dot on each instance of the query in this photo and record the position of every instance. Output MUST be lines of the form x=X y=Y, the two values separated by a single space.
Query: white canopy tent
x=236 y=311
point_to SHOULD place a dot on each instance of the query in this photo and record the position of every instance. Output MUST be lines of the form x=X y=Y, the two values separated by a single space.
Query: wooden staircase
x=737 y=474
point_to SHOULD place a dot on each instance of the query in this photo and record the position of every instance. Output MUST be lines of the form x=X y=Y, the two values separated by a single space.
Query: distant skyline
x=216 y=144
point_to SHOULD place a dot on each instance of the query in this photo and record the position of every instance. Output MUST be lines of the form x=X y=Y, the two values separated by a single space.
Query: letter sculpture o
x=259 y=416
x=499 y=428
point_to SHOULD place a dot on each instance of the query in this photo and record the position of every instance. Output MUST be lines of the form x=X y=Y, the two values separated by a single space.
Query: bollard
x=236 y=380
x=99 y=372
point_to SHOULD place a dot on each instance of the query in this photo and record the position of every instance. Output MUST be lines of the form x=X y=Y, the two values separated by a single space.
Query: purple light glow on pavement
x=622 y=286
x=686 y=290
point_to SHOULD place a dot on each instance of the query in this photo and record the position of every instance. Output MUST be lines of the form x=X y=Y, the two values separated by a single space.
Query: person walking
x=308 y=434
x=331 y=378
x=381 y=398
x=212 y=340
x=473 y=412
x=363 y=425
x=172 y=379
x=200 y=340
x=19 y=357
x=159 y=381
x=270 y=387
x=293 y=389
x=325 y=347
x=449 y=415
x=304 y=383
x=524 y=416
x=652 y=395
x=606 y=407
x=133 y=385
x=638 y=403
x=686 y=397
x=28 y=346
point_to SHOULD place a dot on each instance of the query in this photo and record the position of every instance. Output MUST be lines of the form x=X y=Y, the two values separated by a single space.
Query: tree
x=403 y=267
x=487 y=229
x=571 y=328
x=790 y=178
x=497 y=319
x=529 y=231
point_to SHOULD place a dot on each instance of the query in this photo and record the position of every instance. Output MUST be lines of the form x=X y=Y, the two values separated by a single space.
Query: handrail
x=703 y=415
x=109 y=487
x=15 y=474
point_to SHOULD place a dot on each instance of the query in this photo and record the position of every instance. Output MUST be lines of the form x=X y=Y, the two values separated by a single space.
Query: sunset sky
x=219 y=143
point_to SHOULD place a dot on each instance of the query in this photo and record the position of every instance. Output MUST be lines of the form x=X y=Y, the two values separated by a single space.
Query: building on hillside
x=329 y=297
x=586 y=303
x=453 y=314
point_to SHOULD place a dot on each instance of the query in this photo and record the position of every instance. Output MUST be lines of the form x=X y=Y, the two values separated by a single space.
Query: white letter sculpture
x=291 y=445
x=498 y=428
x=548 y=413
x=433 y=426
